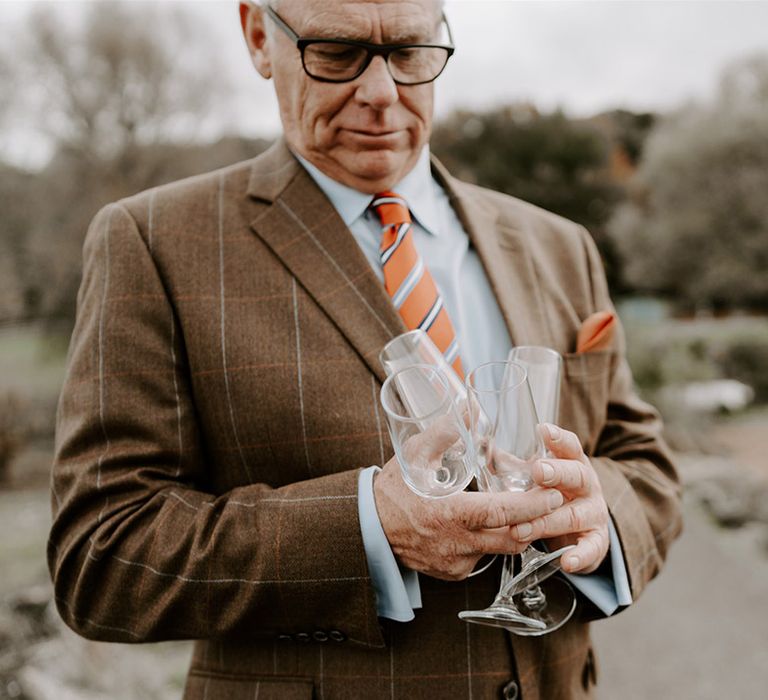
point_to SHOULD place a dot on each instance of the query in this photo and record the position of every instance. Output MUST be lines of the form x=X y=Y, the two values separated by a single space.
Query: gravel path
x=700 y=631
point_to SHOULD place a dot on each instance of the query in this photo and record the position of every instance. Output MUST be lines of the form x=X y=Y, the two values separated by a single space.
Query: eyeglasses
x=343 y=60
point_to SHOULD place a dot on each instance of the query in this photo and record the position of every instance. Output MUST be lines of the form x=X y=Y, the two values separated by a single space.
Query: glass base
x=532 y=613
x=553 y=612
x=505 y=616
x=536 y=568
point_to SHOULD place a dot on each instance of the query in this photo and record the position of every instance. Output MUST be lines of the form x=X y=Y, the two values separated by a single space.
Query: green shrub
x=747 y=361
x=11 y=431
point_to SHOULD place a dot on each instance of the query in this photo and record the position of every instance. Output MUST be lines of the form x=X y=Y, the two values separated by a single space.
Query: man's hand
x=583 y=518
x=445 y=537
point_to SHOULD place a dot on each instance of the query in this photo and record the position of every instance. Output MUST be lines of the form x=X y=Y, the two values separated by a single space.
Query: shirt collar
x=418 y=188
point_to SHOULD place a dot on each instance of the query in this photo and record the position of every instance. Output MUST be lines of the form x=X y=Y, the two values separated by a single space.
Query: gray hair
x=275 y=4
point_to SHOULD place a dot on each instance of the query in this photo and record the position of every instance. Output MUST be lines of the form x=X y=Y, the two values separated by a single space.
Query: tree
x=696 y=226
x=117 y=94
x=546 y=159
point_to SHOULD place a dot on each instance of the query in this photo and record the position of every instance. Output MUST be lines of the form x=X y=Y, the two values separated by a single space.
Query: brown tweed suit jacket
x=221 y=397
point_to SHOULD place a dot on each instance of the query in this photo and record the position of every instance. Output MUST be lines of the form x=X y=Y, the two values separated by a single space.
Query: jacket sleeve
x=633 y=462
x=138 y=550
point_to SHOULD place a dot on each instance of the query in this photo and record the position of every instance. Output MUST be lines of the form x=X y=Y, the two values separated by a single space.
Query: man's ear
x=252 y=21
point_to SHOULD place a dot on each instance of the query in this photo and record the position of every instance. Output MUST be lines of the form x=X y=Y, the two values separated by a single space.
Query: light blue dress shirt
x=483 y=337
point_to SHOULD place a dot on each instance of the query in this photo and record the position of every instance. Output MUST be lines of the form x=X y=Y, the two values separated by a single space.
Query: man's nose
x=376 y=86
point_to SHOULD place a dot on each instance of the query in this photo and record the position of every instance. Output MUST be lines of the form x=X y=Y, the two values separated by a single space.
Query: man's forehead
x=377 y=20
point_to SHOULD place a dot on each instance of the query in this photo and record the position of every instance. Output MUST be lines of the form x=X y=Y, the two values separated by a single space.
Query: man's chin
x=369 y=170
x=377 y=170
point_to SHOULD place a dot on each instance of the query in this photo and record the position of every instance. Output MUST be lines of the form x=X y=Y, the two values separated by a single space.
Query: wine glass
x=428 y=432
x=504 y=431
x=416 y=347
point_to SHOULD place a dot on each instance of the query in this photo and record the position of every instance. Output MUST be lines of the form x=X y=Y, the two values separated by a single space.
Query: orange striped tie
x=407 y=279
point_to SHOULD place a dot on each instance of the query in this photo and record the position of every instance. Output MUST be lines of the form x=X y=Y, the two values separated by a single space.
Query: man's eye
x=337 y=53
x=406 y=55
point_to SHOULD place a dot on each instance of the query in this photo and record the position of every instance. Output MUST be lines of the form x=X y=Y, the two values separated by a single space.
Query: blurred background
x=645 y=121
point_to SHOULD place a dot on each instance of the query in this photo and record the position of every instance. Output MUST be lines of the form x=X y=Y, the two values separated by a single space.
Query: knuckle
x=457 y=512
x=574 y=445
x=574 y=518
x=539 y=526
x=584 y=477
x=496 y=515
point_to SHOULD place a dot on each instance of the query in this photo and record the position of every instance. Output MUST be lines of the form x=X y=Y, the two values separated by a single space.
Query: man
x=220 y=416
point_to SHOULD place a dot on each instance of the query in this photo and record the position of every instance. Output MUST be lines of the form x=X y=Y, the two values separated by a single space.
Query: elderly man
x=219 y=426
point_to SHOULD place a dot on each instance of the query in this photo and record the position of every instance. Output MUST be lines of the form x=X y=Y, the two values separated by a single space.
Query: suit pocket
x=222 y=686
x=584 y=394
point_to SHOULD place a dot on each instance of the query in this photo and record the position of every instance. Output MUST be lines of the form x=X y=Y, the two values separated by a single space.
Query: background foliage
x=695 y=227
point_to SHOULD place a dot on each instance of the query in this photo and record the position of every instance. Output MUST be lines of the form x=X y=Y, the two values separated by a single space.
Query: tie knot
x=391 y=208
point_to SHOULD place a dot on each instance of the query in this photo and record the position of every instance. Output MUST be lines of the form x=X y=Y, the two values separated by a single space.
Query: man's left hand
x=583 y=518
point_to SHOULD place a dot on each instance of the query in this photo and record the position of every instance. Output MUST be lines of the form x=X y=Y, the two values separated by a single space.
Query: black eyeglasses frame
x=373 y=50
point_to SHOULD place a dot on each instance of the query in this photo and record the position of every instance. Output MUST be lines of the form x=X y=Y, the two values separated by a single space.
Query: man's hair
x=275 y=5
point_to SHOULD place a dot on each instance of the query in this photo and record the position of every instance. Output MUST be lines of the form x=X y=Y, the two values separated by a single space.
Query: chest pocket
x=584 y=394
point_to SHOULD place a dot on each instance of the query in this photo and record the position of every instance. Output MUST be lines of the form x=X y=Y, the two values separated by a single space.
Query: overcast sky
x=583 y=56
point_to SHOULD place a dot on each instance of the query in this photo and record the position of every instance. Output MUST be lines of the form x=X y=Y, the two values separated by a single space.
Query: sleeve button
x=302 y=637
x=320 y=636
x=337 y=636
x=284 y=638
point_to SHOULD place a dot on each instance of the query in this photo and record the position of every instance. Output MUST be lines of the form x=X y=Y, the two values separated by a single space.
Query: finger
x=496 y=541
x=588 y=554
x=561 y=443
x=479 y=511
x=566 y=474
x=574 y=517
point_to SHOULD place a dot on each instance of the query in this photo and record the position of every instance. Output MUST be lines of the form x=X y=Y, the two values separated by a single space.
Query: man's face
x=366 y=133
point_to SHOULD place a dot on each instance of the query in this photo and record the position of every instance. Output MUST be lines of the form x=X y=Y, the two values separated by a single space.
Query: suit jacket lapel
x=506 y=258
x=304 y=231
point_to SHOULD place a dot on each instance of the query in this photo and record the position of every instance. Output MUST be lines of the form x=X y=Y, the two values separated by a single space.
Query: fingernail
x=548 y=472
x=573 y=562
x=555 y=499
x=553 y=431
x=524 y=530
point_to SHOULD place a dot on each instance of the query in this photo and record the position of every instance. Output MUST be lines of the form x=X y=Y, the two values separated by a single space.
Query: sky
x=578 y=55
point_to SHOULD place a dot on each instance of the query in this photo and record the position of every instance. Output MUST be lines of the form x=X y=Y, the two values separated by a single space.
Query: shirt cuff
x=397 y=588
x=608 y=594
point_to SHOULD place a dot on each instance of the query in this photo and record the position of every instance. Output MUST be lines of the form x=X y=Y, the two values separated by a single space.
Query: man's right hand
x=444 y=538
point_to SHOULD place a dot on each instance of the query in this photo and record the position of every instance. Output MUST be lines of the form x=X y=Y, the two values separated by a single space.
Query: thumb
x=561 y=443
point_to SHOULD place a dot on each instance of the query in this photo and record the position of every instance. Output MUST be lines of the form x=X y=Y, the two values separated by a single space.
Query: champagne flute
x=428 y=432
x=543 y=368
x=417 y=348
x=504 y=429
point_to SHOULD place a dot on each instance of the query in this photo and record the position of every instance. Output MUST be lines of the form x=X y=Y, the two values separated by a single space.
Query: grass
x=32 y=361
x=674 y=351
x=25 y=518
x=666 y=353
x=32 y=369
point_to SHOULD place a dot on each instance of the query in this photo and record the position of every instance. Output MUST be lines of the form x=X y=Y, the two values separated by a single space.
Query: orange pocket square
x=596 y=333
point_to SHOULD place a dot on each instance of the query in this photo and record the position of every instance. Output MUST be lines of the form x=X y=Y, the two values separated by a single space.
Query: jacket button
x=302 y=637
x=337 y=636
x=320 y=636
x=510 y=691
x=284 y=638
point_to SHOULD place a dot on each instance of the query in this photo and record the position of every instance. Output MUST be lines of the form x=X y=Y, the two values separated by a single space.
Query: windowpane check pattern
x=408 y=281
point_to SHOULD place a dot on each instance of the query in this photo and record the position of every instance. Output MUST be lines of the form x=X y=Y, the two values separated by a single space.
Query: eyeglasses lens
x=340 y=62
